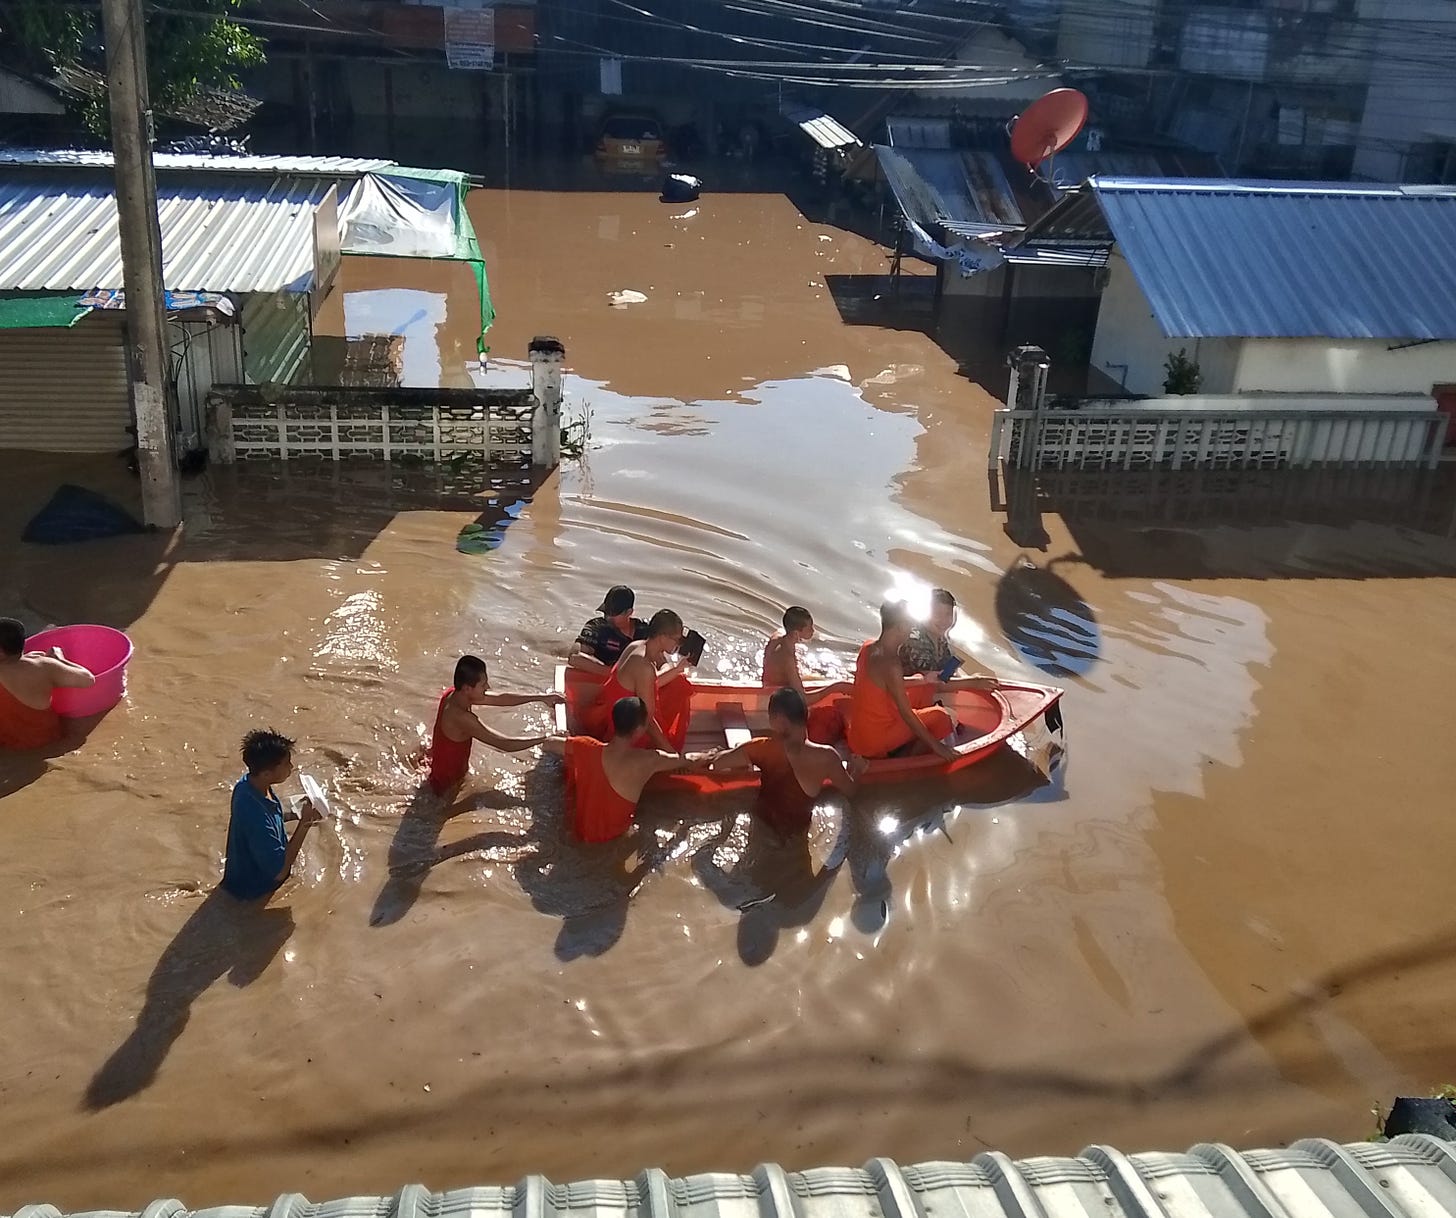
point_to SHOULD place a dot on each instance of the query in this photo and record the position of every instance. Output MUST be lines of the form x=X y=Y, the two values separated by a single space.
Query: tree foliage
x=192 y=45
x=1183 y=374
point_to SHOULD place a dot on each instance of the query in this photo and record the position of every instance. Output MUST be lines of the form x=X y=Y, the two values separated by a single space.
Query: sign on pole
x=470 y=39
x=328 y=254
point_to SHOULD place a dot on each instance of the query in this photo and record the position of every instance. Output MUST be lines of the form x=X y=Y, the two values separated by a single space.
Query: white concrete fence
x=1221 y=433
x=498 y=426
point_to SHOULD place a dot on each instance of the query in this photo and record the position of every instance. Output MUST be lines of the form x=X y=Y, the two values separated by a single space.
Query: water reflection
x=418 y=316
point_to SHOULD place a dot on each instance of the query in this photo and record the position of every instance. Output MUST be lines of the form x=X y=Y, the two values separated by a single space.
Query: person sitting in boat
x=792 y=768
x=603 y=639
x=781 y=669
x=27 y=680
x=882 y=722
x=604 y=781
x=927 y=651
x=457 y=728
x=643 y=672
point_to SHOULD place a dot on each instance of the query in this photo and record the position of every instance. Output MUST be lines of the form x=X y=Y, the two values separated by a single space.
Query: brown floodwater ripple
x=1219 y=915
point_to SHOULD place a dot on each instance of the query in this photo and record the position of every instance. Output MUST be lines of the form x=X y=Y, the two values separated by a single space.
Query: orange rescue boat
x=725 y=715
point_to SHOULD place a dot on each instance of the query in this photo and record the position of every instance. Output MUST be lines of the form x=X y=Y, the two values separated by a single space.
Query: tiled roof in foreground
x=1413 y=1176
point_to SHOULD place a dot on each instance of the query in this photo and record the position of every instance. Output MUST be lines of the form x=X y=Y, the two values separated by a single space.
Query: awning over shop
x=416 y=213
x=824 y=129
x=40 y=310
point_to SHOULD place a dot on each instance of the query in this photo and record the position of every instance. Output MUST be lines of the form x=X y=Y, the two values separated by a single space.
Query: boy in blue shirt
x=259 y=854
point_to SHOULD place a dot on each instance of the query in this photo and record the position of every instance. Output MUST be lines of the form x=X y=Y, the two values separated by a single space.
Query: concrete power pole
x=141 y=256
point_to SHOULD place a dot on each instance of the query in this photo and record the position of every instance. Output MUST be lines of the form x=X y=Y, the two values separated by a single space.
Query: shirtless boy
x=27 y=680
x=781 y=670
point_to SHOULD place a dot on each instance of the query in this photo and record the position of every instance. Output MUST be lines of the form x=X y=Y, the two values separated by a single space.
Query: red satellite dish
x=1049 y=125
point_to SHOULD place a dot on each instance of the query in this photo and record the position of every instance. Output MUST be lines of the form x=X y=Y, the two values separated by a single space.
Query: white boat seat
x=735 y=724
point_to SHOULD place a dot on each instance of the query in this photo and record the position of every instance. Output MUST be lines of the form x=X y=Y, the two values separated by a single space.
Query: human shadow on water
x=222 y=936
x=589 y=886
x=416 y=846
x=774 y=884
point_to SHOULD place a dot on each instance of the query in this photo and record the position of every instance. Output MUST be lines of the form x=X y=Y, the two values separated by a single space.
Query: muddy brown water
x=1227 y=917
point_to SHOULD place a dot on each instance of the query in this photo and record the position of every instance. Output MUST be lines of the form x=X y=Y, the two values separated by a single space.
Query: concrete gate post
x=548 y=363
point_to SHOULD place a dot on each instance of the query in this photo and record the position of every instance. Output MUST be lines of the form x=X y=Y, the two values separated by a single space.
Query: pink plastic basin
x=101 y=649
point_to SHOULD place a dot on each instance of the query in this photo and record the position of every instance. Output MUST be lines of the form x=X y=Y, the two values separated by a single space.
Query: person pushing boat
x=457 y=728
x=881 y=720
x=605 y=780
x=643 y=672
x=793 y=770
x=781 y=670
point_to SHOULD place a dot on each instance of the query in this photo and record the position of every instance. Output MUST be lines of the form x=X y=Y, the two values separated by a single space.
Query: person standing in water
x=781 y=670
x=643 y=672
x=881 y=720
x=260 y=855
x=603 y=639
x=604 y=781
x=27 y=680
x=457 y=728
x=793 y=770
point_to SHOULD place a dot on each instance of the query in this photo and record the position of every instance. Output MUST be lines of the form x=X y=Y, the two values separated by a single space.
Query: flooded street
x=1226 y=918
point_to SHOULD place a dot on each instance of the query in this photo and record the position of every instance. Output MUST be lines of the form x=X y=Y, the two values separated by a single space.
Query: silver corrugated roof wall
x=1412 y=1177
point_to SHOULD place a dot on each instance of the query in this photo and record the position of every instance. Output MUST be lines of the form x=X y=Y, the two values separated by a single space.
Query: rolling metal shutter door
x=65 y=390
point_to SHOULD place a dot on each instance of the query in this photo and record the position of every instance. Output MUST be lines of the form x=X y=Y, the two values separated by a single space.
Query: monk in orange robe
x=605 y=781
x=881 y=719
x=643 y=672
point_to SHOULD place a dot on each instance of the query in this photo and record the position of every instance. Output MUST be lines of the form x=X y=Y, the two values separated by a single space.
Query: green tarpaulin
x=39 y=310
x=417 y=213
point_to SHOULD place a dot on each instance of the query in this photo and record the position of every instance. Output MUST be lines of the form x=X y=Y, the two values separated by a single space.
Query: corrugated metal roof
x=1074 y=168
x=1251 y=259
x=271 y=166
x=1413 y=1176
x=966 y=189
x=220 y=235
x=1057 y=255
x=913 y=131
x=824 y=129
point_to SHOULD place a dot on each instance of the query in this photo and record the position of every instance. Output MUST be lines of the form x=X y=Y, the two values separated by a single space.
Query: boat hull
x=724 y=714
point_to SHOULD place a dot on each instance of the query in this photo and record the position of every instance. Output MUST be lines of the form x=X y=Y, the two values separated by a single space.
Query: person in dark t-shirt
x=603 y=639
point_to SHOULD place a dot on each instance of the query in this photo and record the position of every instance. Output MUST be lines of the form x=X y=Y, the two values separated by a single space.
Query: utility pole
x=148 y=357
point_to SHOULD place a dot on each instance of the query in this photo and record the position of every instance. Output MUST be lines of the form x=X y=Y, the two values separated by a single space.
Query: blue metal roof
x=1220 y=258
